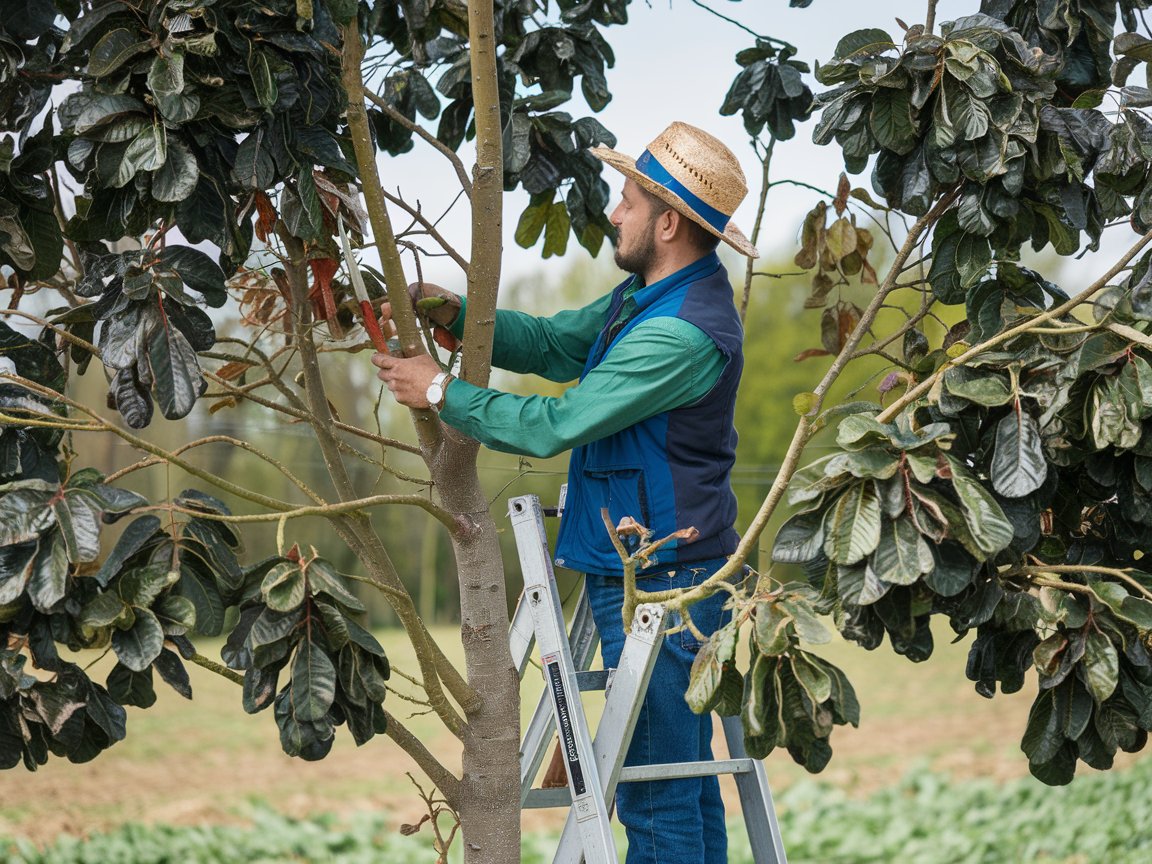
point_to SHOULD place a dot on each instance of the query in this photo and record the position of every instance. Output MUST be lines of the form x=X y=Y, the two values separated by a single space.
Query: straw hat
x=695 y=174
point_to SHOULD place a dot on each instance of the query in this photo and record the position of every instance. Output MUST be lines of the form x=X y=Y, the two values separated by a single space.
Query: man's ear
x=668 y=225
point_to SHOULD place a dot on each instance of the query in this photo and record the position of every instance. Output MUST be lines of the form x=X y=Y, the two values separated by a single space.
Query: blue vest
x=672 y=470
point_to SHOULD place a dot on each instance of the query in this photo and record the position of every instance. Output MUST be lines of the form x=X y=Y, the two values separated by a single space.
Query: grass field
x=925 y=735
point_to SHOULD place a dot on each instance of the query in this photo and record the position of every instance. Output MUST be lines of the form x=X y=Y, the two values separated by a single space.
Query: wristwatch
x=435 y=392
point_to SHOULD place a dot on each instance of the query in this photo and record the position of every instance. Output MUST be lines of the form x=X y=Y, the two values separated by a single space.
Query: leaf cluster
x=544 y=149
x=789 y=697
x=980 y=110
x=299 y=616
x=769 y=91
x=1027 y=463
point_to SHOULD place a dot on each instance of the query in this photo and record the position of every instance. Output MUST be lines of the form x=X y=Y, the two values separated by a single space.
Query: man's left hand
x=407 y=377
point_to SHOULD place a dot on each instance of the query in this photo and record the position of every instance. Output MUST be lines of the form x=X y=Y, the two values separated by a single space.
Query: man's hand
x=407 y=377
x=435 y=305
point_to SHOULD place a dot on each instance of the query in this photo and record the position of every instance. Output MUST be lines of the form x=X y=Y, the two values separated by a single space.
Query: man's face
x=635 y=221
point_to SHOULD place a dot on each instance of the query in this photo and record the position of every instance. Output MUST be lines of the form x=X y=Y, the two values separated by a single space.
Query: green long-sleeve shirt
x=661 y=364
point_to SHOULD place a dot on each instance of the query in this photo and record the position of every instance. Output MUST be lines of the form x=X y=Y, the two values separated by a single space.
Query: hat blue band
x=650 y=167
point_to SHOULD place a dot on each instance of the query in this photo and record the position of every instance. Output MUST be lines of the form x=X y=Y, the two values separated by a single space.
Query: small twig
x=428 y=226
x=1114 y=572
x=220 y=669
x=1044 y=317
x=446 y=151
x=930 y=18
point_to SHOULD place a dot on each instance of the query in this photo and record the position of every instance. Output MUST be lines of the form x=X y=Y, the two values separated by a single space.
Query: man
x=650 y=424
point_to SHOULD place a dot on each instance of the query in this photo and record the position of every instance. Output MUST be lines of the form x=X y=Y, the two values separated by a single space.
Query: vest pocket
x=623 y=491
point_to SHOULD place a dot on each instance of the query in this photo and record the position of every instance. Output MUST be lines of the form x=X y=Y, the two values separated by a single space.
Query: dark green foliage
x=769 y=91
x=960 y=506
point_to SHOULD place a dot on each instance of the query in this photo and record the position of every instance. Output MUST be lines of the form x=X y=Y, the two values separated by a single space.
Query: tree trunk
x=490 y=788
x=488 y=799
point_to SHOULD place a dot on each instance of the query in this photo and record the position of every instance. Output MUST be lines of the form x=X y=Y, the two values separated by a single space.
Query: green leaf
x=272 y=634
x=708 y=667
x=324 y=579
x=131 y=688
x=891 y=120
x=759 y=714
x=772 y=632
x=141 y=586
x=953 y=569
x=253 y=168
x=260 y=687
x=114 y=49
x=138 y=646
x=79 y=523
x=102 y=610
x=533 y=219
x=201 y=591
x=1134 y=610
x=983 y=387
x=135 y=537
x=173 y=673
x=1018 y=464
x=1101 y=666
x=556 y=230
x=176 y=614
x=313 y=685
x=48 y=582
x=176 y=179
x=198 y=270
x=991 y=530
x=812 y=678
x=177 y=381
x=1043 y=735
x=808 y=626
x=800 y=539
x=867 y=41
x=283 y=587
x=973 y=258
x=852 y=525
x=902 y=555
x=262 y=79
x=166 y=81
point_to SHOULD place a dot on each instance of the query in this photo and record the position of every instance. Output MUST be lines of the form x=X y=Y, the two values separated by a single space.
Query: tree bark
x=488 y=795
x=490 y=788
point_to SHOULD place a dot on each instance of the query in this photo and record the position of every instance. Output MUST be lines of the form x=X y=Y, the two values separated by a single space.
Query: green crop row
x=926 y=819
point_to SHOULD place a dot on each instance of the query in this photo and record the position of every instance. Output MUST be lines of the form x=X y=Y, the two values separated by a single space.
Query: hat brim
x=626 y=165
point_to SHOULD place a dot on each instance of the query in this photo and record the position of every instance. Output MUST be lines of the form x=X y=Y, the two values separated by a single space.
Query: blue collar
x=707 y=265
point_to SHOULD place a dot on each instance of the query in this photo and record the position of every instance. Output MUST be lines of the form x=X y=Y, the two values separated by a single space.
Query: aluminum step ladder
x=595 y=765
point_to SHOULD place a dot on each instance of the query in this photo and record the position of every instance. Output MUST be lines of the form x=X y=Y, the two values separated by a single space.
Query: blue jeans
x=667 y=821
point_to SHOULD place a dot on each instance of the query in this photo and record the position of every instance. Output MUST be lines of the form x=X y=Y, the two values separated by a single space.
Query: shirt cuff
x=456 y=328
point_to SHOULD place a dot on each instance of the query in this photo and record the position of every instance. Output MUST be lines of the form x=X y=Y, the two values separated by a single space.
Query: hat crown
x=703 y=164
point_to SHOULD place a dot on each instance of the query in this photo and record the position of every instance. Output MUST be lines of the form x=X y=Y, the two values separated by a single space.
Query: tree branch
x=445 y=780
x=750 y=271
x=1056 y=312
x=448 y=153
x=428 y=226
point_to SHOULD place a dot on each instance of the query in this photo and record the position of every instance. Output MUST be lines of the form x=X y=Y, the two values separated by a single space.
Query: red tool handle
x=372 y=325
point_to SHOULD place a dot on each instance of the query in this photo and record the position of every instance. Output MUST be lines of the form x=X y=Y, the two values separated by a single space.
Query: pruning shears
x=368 y=313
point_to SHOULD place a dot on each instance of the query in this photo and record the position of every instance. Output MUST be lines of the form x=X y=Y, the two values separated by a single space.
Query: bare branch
x=448 y=153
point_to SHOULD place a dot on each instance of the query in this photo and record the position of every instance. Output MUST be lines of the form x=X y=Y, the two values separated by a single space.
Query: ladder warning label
x=564 y=723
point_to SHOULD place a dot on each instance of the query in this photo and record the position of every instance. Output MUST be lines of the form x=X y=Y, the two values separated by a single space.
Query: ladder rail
x=543 y=599
x=595 y=764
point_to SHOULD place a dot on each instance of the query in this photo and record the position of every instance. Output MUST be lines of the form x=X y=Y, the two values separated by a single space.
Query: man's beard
x=639 y=258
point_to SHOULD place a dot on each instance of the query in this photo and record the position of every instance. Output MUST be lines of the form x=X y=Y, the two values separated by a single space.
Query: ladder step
x=541 y=798
x=597 y=680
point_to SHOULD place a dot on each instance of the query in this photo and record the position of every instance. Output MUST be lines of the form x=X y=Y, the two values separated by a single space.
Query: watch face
x=434 y=394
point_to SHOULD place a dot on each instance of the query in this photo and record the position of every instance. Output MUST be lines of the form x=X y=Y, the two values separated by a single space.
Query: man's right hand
x=439 y=315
